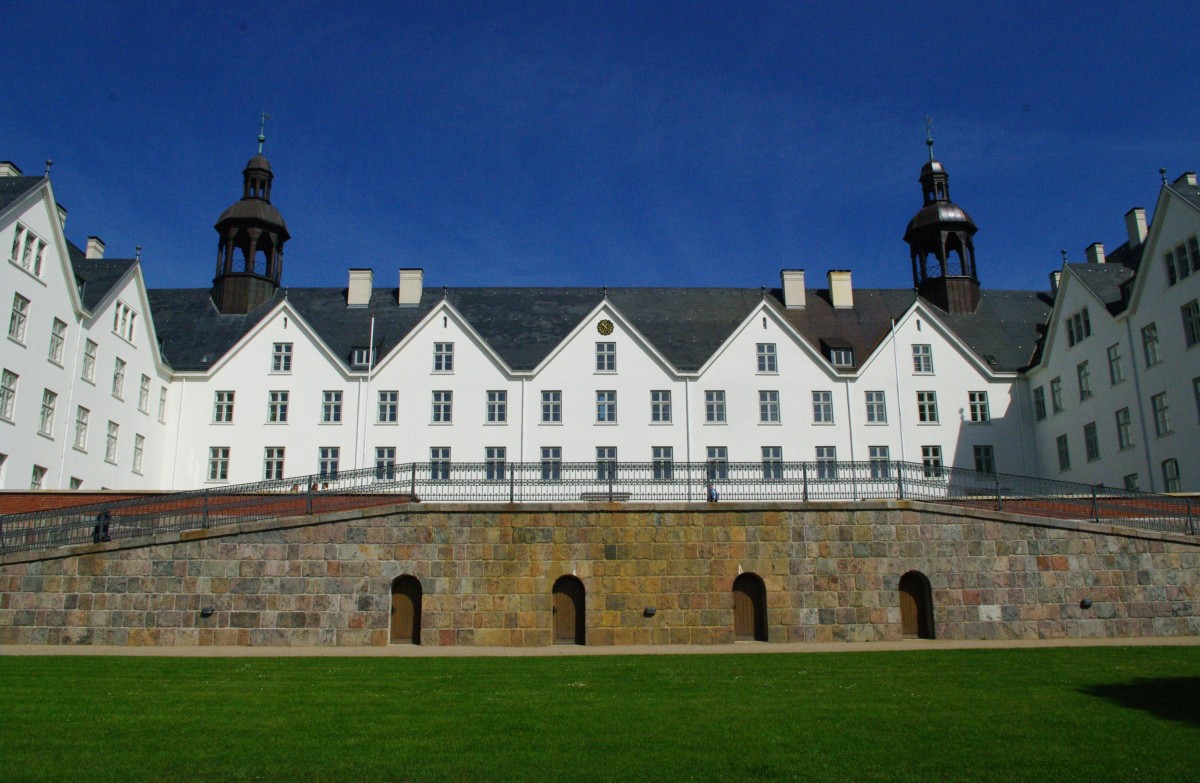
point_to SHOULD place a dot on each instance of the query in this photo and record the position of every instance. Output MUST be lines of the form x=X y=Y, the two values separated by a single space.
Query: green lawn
x=1091 y=714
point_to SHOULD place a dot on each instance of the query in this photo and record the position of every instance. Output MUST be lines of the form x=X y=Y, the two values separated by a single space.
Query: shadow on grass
x=1173 y=698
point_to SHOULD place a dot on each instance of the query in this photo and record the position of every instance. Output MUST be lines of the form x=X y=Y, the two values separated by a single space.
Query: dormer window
x=362 y=358
x=839 y=352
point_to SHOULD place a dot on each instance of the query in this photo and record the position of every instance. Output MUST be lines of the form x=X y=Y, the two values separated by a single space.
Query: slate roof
x=1189 y=193
x=1105 y=281
x=13 y=188
x=523 y=325
x=96 y=277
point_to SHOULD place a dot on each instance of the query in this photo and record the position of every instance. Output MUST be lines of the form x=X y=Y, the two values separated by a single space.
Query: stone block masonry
x=831 y=571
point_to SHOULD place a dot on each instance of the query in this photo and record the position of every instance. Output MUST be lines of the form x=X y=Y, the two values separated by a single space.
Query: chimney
x=411 y=283
x=841 y=293
x=358 y=292
x=1095 y=253
x=95 y=248
x=1186 y=178
x=9 y=169
x=1055 y=279
x=1135 y=224
x=62 y=215
x=792 y=281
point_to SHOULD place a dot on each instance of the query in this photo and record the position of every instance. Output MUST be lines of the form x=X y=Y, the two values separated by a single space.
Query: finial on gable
x=1161 y=172
x=50 y=163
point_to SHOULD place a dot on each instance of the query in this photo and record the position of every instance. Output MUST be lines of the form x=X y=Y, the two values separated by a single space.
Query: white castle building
x=109 y=385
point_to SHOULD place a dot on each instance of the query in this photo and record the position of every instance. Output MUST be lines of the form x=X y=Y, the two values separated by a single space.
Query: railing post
x=899 y=480
x=204 y=518
x=804 y=480
x=610 y=469
x=512 y=482
x=1095 y=513
x=999 y=498
x=1191 y=527
x=308 y=495
x=412 y=483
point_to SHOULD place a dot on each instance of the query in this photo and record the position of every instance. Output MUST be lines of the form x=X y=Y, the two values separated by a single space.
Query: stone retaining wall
x=831 y=572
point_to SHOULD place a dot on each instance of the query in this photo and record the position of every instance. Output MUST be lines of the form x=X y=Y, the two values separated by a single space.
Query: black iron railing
x=541 y=482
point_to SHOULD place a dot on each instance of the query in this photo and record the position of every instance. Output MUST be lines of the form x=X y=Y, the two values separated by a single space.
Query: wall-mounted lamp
x=1085 y=603
x=649 y=611
x=206 y=611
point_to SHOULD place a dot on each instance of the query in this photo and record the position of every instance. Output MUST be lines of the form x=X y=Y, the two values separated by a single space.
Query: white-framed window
x=927 y=412
x=1150 y=344
x=1039 y=403
x=76 y=483
x=389 y=405
x=82 y=415
x=841 y=357
x=985 y=458
x=331 y=406
x=1084 y=375
x=19 y=319
x=218 y=463
x=922 y=359
x=978 y=404
x=110 y=442
x=1124 y=429
x=1131 y=482
x=881 y=462
x=931 y=461
x=385 y=463
x=139 y=452
x=606 y=407
x=1091 y=442
x=714 y=407
x=1116 y=373
x=277 y=407
x=46 y=422
x=162 y=404
x=822 y=404
x=1056 y=399
x=8 y=394
x=144 y=394
x=497 y=407
x=89 y=361
x=1170 y=471
x=362 y=358
x=37 y=477
x=606 y=357
x=58 y=339
x=551 y=463
x=717 y=463
x=876 y=407
x=606 y=463
x=124 y=319
x=443 y=407
x=768 y=407
x=1177 y=265
x=118 y=384
x=1162 y=414
x=28 y=251
x=827 y=462
x=772 y=463
x=493 y=463
x=662 y=462
x=767 y=359
x=439 y=463
x=660 y=406
x=1064 y=453
x=273 y=463
x=1079 y=327
x=328 y=460
x=223 y=407
x=552 y=407
x=1191 y=323
x=443 y=357
x=281 y=357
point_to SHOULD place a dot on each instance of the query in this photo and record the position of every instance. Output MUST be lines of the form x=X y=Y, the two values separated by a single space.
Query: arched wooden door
x=406 y=610
x=749 y=608
x=568 y=611
x=916 y=606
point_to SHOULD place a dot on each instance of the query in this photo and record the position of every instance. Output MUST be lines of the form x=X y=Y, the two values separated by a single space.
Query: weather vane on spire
x=929 y=135
x=262 y=128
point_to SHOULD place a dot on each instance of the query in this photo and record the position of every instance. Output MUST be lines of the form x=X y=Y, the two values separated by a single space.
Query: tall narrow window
x=497 y=407
x=223 y=407
x=82 y=415
x=18 y=236
x=985 y=459
x=606 y=407
x=123 y=321
x=46 y=422
x=766 y=358
x=19 y=318
x=1124 y=429
x=551 y=463
x=8 y=394
x=493 y=463
x=110 y=442
x=37 y=477
x=931 y=461
x=662 y=459
x=772 y=462
x=1170 y=471
x=385 y=463
x=328 y=460
x=826 y=462
x=1064 y=453
x=58 y=337
x=606 y=463
x=922 y=359
x=331 y=407
x=718 y=463
x=443 y=357
x=768 y=407
x=606 y=357
x=1150 y=344
x=139 y=451
x=1131 y=482
x=1079 y=327
x=144 y=394
x=660 y=407
x=551 y=407
x=1116 y=373
x=927 y=412
x=89 y=361
x=714 y=407
x=880 y=461
x=1191 y=323
x=118 y=384
x=273 y=463
x=389 y=403
x=822 y=403
x=1039 y=403
x=978 y=403
x=439 y=463
x=162 y=404
x=281 y=357
x=277 y=407
x=1091 y=441
x=1162 y=414
x=443 y=407
x=876 y=408
x=1056 y=400
x=1085 y=380
x=218 y=463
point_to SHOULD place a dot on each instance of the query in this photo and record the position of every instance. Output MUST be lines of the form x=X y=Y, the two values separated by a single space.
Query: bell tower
x=940 y=240
x=251 y=233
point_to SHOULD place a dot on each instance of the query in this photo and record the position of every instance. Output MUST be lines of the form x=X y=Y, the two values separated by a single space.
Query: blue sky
x=614 y=143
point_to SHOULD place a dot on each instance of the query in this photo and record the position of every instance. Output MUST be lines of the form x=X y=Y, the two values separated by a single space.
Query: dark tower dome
x=251 y=233
x=940 y=239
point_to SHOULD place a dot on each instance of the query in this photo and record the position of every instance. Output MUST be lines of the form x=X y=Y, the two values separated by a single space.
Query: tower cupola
x=251 y=234
x=940 y=240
